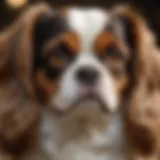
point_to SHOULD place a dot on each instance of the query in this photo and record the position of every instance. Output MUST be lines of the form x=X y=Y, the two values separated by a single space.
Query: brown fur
x=19 y=108
x=70 y=39
x=45 y=87
x=116 y=64
x=142 y=111
x=103 y=41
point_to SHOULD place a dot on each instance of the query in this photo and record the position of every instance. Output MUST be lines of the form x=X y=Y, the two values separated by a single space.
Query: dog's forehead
x=87 y=23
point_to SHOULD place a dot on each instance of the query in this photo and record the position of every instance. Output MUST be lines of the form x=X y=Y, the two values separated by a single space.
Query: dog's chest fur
x=83 y=136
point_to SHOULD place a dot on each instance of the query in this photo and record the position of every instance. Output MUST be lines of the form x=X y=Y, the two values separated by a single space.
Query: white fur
x=86 y=133
x=88 y=23
x=95 y=143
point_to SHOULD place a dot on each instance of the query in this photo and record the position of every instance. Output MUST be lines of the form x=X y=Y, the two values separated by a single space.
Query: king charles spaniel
x=66 y=76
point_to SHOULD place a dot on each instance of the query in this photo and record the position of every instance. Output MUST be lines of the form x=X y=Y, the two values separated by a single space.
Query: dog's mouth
x=90 y=99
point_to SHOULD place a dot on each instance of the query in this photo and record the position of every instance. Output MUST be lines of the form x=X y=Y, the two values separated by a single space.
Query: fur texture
x=141 y=111
x=39 y=59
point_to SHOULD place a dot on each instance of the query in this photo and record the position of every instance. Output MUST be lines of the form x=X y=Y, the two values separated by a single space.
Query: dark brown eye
x=113 y=52
x=52 y=72
x=58 y=58
x=62 y=54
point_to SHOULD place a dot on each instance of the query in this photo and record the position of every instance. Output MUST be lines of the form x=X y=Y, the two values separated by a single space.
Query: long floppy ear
x=19 y=110
x=140 y=41
x=142 y=106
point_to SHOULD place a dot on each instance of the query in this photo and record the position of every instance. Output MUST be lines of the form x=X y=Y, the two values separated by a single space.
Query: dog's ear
x=140 y=41
x=141 y=111
x=19 y=110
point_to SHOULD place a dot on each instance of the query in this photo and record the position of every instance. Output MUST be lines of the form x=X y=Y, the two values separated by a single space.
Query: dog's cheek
x=45 y=86
x=121 y=83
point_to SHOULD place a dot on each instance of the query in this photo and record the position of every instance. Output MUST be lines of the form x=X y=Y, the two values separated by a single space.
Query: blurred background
x=10 y=9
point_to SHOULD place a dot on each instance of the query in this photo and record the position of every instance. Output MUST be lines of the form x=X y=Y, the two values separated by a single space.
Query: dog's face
x=80 y=58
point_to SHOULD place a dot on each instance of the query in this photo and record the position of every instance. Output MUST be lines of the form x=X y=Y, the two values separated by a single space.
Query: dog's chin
x=90 y=101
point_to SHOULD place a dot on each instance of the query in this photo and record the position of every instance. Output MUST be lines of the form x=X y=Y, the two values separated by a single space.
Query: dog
x=67 y=84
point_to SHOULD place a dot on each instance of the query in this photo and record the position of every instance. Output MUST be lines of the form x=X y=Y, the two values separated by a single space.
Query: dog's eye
x=113 y=52
x=63 y=53
x=58 y=59
x=60 y=56
x=52 y=72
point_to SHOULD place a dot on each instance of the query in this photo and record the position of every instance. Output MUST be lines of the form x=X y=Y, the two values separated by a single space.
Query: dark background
x=149 y=8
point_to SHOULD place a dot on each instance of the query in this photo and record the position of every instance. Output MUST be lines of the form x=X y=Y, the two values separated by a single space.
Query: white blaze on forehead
x=88 y=23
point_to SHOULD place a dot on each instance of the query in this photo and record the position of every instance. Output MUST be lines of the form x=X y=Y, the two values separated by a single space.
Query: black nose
x=87 y=75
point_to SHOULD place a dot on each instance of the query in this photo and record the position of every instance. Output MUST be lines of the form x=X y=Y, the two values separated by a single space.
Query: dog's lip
x=87 y=97
x=86 y=92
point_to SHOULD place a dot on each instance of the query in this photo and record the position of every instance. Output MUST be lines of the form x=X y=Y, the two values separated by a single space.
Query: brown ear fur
x=142 y=110
x=18 y=105
x=139 y=39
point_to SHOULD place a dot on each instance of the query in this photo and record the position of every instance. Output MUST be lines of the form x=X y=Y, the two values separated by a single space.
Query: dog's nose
x=87 y=75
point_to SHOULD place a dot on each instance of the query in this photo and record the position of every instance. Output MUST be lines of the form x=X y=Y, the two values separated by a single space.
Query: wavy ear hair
x=142 y=106
x=18 y=104
x=139 y=39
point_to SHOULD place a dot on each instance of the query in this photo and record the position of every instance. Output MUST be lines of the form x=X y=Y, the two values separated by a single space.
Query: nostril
x=87 y=75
